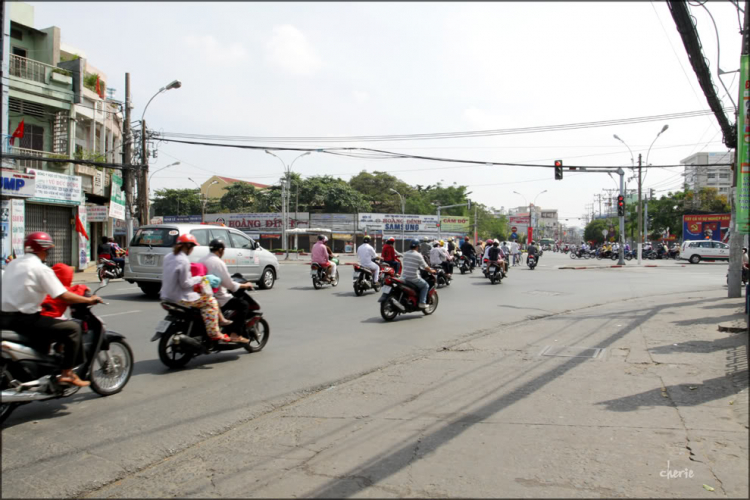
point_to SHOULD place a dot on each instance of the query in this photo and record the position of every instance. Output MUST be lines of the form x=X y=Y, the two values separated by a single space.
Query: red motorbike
x=401 y=297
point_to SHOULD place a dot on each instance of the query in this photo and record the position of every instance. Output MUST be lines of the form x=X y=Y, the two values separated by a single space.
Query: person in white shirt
x=25 y=284
x=217 y=267
x=515 y=252
x=366 y=253
x=177 y=286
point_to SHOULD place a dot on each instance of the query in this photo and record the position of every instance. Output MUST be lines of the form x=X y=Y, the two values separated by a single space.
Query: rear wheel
x=358 y=291
x=111 y=369
x=169 y=352
x=6 y=408
x=695 y=259
x=387 y=310
x=572 y=255
x=432 y=303
x=317 y=284
x=258 y=335
x=150 y=289
x=267 y=279
x=492 y=279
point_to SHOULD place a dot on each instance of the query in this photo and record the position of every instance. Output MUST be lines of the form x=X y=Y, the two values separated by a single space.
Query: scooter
x=29 y=369
x=495 y=272
x=401 y=297
x=464 y=264
x=531 y=262
x=108 y=269
x=320 y=277
x=182 y=333
x=363 y=278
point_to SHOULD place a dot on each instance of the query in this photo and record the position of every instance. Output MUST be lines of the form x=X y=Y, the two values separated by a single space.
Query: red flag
x=18 y=133
x=97 y=85
x=80 y=228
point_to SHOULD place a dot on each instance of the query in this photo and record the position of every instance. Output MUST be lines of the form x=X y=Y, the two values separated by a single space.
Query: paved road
x=318 y=338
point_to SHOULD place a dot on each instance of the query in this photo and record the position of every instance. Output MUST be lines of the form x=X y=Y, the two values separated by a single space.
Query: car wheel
x=694 y=259
x=150 y=289
x=267 y=279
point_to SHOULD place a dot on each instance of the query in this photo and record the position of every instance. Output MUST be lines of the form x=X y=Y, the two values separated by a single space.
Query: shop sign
x=96 y=213
x=450 y=223
x=18 y=225
x=52 y=187
x=17 y=184
x=397 y=222
x=83 y=244
x=5 y=248
x=258 y=221
x=98 y=179
x=117 y=199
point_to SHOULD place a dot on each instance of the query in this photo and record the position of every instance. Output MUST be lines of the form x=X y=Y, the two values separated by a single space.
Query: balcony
x=35 y=164
x=36 y=71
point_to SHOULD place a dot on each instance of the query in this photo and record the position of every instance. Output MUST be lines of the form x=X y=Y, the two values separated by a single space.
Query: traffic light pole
x=621 y=261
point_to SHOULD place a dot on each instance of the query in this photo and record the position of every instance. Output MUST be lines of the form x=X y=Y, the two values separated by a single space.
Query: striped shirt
x=413 y=262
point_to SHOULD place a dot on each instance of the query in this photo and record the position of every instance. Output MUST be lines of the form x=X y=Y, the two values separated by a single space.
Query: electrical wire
x=718 y=57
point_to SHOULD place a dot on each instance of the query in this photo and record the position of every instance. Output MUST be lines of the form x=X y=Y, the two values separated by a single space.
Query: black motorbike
x=495 y=272
x=109 y=269
x=531 y=262
x=442 y=278
x=401 y=297
x=29 y=368
x=320 y=276
x=363 y=277
x=464 y=264
x=182 y=334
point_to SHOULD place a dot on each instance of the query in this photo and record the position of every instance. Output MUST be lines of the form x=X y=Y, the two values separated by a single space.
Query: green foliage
x=89 y=81
x=593 y=231
x=73 y=57
x=376 y=190
x=176 y=202
x=238 y=197
x=489 y=226
x=85 y=154
x=63 y=72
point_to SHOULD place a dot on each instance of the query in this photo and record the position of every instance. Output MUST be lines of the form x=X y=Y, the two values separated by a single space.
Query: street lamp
x=157 y=171
x=632 y=160
x=203 y=201
x=175 y=84
x=403 y=220
x=285 y=197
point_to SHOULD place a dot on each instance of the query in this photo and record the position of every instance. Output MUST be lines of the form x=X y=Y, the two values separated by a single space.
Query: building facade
x=715 y=176
x=215 y=187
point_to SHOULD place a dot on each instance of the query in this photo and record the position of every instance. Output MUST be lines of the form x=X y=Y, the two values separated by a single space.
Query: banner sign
x=697 y=227
x=258 y=221
x=96 y=213
x=52 y=187
x=5 y=247
x=117 y=199
x=451 y=223
x=549 y=215
x=17 y=184
x=517 y=220
x=192 y=219
x=17 y=225
x=335 y=222
x=398 y=222
x=121 y=227
x=743 y=150
x=83 y=244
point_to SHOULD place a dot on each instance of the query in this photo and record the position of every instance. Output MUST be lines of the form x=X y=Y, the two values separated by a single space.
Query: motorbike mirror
x=105 y=282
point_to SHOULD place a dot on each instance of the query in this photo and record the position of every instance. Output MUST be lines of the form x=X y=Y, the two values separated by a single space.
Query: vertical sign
x=4 y=229
x=117 y=199
x=83 y=243
x=18 y=225
x=742 y=219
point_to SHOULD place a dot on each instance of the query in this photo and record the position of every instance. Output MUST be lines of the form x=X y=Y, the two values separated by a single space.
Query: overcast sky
x=343 y=69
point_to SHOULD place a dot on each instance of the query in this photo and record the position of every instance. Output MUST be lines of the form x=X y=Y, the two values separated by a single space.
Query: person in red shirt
x=390 y=255
x=55 y=308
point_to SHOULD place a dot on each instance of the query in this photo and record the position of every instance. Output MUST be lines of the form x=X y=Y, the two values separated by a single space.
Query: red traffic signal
x=620 y=205
x=558 y=170
x=558 y=163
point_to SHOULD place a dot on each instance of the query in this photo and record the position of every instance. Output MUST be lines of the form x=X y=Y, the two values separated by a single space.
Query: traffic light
x=558 y=170
x=621 y=206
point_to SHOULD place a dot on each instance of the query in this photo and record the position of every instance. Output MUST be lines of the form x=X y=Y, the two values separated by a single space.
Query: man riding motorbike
x=532 y=250
x=366 y=254
x=439 y=257
x=413 y=262
x=506 y=255
x=495 y=255
x=321 y=253
x=390 y=255
x=469 y=252
x=25 y=284
x=216 y=266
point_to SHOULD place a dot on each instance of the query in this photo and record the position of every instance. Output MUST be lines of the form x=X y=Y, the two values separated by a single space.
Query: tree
x=327 y=194
x=376 y=189
x=176 y=202
x=593 y=231
x=238 y=197
x=489 y=226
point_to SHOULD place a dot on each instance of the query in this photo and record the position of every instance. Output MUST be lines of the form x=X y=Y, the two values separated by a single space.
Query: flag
x=18 y=133
x=80 y=228
x=97 y=85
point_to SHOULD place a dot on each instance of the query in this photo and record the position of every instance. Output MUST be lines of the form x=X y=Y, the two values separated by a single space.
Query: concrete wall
x=22 y=13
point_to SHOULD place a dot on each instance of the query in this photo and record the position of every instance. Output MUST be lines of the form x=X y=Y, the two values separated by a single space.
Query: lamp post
x=157 y=171
x=403 y=221
x=645 y=211
x=143 y=191
x=203 y=198
x=632 y=160
x=285 y=197
x=530 y=205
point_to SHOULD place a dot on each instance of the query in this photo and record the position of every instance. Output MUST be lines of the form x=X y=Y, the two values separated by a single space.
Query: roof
x=229 y=180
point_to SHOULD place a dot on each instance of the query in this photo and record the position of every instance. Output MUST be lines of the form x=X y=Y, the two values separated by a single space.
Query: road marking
x=118 y=314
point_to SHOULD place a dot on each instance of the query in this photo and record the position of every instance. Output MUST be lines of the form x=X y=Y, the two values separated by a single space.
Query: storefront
x=16 y=188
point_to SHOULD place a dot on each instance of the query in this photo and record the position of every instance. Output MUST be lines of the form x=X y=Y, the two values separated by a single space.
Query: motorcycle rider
x=413 y=263
x=532 y=250
x=468 y=250
x=506 y=255
x=321 y=253
x=425 y=248
x=390 y=255
x=515 y=251
x=366 y=254
x=495 y=255
x=439 y=257
x=216 y=266
x=451 y=247
x=117 y=253
x=25 y=284
x=177 y=286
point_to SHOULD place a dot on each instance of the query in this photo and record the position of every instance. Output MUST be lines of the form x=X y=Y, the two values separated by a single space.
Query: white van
x=697 y=250
x=151 y=243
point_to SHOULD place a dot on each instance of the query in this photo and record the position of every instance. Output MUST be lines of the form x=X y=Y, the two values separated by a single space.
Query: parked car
x=151 y=243
x=697 y=250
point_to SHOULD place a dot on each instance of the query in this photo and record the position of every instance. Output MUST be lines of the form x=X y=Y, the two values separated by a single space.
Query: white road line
x=118 y=314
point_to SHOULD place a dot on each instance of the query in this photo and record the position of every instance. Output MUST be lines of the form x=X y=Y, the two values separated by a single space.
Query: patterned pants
x=209 y=311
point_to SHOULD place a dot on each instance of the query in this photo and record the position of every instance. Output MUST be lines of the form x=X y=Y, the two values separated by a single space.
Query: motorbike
x=495 y=272
x=108 y=269
x=464 y=264
x=29 y=369
x=319 y=276
x=745 y=276
x=182 y=333
x=442 y=278
x=401 y=297
x=363 y=278
x=531 y=262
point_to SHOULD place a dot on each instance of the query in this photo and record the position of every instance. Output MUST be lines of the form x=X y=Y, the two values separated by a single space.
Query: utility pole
x=640 y=211
x=127 y=159
x=143 y=178
x=621 y=260
x=476 y=235
x=645 y=215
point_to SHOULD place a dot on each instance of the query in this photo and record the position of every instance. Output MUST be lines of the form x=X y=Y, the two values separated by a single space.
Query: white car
x=697 y=250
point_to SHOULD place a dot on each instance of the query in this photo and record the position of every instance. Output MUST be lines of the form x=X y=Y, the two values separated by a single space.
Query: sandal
x=239 y=339
x=223 y=337
x=226 y=322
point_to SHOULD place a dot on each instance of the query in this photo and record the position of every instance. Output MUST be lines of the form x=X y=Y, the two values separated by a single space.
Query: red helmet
x=391 y=240
x=188 y=238
x=38 y=242
x=490 y=241
x=466 y=238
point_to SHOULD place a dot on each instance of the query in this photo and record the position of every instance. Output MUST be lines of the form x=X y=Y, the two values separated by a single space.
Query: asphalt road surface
x=318 y=338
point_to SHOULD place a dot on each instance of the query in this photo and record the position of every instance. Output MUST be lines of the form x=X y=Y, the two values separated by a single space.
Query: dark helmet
x=216 y=244
x=366 y=239
x=414 y=243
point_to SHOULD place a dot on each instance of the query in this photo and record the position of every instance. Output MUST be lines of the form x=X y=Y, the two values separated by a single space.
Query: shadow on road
x=378 y=319
x=42 y=410
x=698 y=346
x=708 y=320
x=205 y=362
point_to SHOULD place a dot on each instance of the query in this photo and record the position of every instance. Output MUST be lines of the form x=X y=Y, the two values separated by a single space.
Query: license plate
x=492 y=269
x=386 y=290
x=314 y=274
x=162 y=326
x=149 y=260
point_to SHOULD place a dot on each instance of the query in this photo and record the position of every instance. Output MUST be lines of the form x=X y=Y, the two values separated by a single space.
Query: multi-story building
x=715 y=176
x=56 y=109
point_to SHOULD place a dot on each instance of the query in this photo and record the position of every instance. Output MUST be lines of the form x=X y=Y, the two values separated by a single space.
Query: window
x=156 y=237
x=720 y=245
x=220 y=234
x=241 y=241
x=16 y=33
x=201 y=235
x=712 y=176
x=723 y=176
x=705 y=244
x=33 y=137
x=18 y=51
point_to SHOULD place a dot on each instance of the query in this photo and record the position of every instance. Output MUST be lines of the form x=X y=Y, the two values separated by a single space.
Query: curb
x=610 y=267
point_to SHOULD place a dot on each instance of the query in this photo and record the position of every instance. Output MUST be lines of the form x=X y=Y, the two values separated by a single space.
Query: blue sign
x=514 y=235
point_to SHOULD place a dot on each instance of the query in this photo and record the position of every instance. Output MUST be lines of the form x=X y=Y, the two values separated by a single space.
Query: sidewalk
x=635 y=399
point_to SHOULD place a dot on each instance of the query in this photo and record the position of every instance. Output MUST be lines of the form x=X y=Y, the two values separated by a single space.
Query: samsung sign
x=18 y=184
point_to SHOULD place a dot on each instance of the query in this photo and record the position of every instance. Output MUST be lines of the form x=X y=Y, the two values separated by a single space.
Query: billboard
x=454 y=224
x=743 y=150
x=699 y=226
x=398 y=222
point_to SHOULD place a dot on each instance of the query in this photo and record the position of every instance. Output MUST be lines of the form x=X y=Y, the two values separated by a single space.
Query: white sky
x=339 y=69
